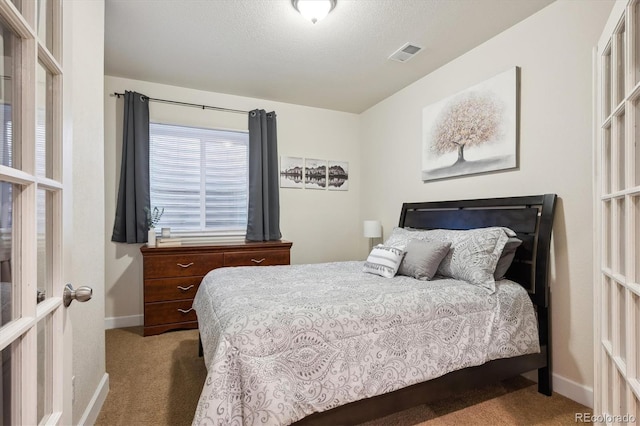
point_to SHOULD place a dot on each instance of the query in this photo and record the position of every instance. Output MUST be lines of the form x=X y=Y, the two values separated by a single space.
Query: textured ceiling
x=265 y=49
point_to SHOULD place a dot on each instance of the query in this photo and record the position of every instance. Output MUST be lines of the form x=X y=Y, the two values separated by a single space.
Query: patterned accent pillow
x=474 y=254
x=384 y=261
x=422 y=258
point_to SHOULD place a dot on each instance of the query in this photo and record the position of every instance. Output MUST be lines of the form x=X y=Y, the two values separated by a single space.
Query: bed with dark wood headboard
x=275 y=305
x=531 y=217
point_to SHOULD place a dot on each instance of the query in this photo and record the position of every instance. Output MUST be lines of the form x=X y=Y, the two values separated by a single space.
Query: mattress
x=282 y=342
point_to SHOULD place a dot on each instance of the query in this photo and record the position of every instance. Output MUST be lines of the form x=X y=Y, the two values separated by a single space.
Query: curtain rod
x=165 y=101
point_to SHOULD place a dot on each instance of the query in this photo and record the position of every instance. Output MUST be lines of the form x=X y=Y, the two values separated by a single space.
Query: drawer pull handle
x=185 y=288
x=258 y=260
x=185 y=266
x=185 y=311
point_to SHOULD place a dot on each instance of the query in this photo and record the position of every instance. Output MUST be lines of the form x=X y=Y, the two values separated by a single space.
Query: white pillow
x=384 y=261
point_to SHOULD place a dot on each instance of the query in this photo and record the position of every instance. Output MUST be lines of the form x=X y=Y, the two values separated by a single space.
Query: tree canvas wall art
x=473 y=131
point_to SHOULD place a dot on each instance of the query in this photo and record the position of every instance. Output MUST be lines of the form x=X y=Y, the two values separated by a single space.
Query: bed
x=330 y=344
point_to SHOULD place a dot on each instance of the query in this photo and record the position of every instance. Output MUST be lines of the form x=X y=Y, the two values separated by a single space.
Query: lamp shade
x=372 y=229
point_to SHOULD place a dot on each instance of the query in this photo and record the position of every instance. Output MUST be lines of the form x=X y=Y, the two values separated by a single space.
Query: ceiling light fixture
x=314 y=10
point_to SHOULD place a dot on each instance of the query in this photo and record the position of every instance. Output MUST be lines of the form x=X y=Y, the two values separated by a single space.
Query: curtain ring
x=141 y=98
x=253 y=113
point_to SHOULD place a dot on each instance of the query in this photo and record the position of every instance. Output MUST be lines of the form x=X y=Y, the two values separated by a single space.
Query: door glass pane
x=607 y=231
x=636 y=243
x=606 y=160
x=621 y=236
x=45 y=21
x=606 y=83
x=621 y=320
x=17 y=4
x=618 y=165
x=611 y=370
x=44 y=119
x=636 y=310
x=7 y=375
x=621 y=409
x=44 y=242
x=636 y=156
x=9 y=98
x=620 y=39
x=7 y=293
x=636 y=144
x=606 y=327
x=44 y=367
x=637 y=45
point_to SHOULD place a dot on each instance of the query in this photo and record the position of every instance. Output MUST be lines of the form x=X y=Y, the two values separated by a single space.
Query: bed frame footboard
x=428 y=392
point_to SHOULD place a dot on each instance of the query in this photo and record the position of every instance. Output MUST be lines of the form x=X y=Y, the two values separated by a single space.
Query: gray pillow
x=422 y=258
x=506 y=257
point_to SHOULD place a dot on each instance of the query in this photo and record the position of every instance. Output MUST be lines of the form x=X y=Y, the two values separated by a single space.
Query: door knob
x=82 y=294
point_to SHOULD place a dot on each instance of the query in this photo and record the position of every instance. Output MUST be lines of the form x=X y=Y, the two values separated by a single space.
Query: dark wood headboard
x=531 y=217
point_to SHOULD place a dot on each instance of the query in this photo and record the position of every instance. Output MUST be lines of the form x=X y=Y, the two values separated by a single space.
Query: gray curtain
x=130 y=224
x=263 y=222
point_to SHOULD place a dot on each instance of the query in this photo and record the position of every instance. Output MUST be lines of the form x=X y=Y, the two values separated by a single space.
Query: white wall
x=554 y=50
x=306 y=215
x=84 y=108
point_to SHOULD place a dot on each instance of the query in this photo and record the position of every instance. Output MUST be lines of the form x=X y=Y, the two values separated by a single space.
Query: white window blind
x=201 y=179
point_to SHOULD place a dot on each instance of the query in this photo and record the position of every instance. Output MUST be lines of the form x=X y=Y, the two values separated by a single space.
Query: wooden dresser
x=172 y=276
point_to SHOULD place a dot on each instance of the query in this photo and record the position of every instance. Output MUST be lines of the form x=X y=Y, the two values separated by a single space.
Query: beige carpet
x=157 y=380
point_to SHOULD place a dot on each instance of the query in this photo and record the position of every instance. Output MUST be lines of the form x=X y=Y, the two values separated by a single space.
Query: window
x=201 y=179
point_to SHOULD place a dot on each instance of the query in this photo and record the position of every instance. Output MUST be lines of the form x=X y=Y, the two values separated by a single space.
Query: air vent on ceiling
x=405 y=53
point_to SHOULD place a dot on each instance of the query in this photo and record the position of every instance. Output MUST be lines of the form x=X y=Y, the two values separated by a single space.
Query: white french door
x=617 y=208
x=31 y=287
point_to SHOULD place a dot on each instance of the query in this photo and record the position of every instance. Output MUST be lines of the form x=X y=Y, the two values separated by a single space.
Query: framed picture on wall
x=473 y=131
x=291 y=172
x=315 y=173
x=338 y=175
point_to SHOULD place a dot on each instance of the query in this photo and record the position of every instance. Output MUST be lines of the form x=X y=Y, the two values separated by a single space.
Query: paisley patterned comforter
x=282 y=342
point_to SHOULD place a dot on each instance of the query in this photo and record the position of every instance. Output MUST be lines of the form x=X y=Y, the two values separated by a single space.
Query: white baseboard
x=90 y=415
x=566 y=387
x=572 y=390
x=122 y=322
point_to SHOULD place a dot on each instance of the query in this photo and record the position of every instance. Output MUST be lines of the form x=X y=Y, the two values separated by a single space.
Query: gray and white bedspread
x=282 y=342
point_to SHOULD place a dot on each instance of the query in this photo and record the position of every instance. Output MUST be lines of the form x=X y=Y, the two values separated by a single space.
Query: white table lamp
x=372 y=229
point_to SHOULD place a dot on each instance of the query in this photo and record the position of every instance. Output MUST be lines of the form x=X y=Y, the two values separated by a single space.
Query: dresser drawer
x=181 y=265
x=161 y=289
x=256 y=258
x=168 y=312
